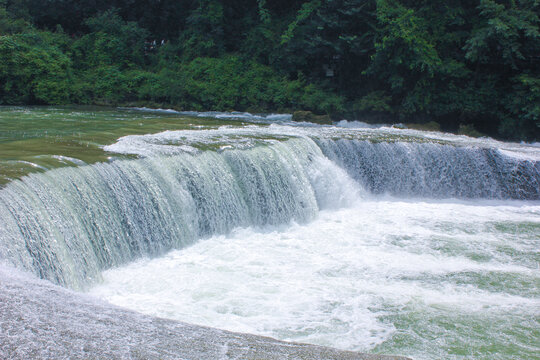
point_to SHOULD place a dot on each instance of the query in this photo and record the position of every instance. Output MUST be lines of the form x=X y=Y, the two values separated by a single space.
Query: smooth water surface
x=35 y=139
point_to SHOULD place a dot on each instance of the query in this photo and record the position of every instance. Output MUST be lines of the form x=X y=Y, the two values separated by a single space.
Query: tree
x=504 y=46
x=33 y=70
x=111 y=41
x=204 y=35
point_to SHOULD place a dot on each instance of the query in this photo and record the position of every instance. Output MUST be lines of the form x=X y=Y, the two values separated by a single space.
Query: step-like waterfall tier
x=68 y=224
x=435 y=170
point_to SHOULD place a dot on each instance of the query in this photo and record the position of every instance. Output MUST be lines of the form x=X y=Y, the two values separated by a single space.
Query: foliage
x=523 y=106
x=33 y=70
x=464 y=64
x=230 y=83
x=205 y=33
x=11 y=25
x=111 y=41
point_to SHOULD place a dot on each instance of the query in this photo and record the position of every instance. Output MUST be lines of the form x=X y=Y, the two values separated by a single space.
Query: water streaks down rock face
x=432 y=170
x=67 y=225
x=348 y=236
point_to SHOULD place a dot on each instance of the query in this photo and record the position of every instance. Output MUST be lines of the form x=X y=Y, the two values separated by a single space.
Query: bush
x=523 y=106
x=33 y=70
x=229 y=83
x=111 y=41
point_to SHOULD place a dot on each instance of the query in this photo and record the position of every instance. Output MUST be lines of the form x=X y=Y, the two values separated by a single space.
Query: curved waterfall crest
x=69 y=224
x=435 y=170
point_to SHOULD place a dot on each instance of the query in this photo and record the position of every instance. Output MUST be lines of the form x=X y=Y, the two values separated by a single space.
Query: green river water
x=377 y=240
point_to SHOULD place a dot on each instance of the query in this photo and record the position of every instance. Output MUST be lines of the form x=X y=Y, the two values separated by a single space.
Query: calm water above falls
x=372 y=239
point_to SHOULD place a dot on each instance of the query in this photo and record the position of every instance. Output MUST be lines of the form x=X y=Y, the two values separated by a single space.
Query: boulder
x=308 y=116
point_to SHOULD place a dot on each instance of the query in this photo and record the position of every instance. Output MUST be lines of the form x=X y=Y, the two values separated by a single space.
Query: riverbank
x=293 y=60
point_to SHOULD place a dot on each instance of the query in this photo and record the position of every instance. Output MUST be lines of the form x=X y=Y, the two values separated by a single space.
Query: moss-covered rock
x=469 y=130
x=308 y=116
x=429 y=126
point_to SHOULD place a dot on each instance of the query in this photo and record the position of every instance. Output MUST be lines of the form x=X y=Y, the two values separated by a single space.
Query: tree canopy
x=464 y=64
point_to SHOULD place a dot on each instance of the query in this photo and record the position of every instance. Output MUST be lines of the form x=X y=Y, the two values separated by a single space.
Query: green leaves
x=229 y=83
x=11 y=25
x=404 y=40
x=376 y=101
x=453 y=61
x=305 y=11
x=205 y=31
x=504 y=33
x=33 y=70
x=523 y=105
x=111 y=41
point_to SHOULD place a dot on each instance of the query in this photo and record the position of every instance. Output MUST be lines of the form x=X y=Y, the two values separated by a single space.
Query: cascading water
x=335 y=236
x=434 y=170
x=69 y=224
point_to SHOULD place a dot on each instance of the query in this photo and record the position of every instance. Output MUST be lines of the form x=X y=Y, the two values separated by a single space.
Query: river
x=359 y=237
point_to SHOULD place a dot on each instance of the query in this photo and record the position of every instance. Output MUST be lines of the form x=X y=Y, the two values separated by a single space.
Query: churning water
x=378 y=240
x=426 y=279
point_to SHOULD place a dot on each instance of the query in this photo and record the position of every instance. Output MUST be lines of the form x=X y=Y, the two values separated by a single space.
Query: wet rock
x=308 y=116
x=40 y=320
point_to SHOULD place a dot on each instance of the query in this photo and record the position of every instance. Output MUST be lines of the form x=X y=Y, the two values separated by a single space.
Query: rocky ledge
x=39 y=320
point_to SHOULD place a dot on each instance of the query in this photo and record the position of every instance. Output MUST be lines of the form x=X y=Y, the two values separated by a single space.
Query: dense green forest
x=465 y=64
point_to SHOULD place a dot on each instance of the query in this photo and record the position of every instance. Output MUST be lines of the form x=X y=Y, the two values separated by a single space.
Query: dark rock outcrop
x=308 y=116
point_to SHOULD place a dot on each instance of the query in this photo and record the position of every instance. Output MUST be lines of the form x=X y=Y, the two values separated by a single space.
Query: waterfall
x=69 y=224
x=435 y=170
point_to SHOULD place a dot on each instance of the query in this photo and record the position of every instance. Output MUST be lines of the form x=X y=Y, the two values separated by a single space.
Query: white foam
x=158 y=110
x=358 y=125
x=341 y=279
x=248 y=135
x=226 y=115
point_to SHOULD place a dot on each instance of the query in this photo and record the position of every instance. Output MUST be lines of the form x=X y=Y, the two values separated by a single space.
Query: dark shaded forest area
x=465 y=64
